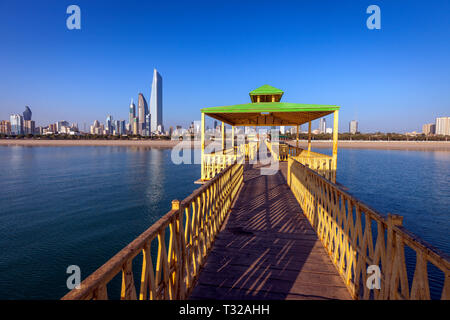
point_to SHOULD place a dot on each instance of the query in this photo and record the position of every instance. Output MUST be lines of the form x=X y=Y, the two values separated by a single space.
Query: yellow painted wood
x=352 y=246
x=335 y=138
x=309 y=136
x=203 y=145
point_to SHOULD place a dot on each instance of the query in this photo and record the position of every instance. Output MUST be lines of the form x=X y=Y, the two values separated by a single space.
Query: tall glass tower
x=132 y=113
x=27 y=113
x=142 y=113
x=156 y=102
x=109 y=124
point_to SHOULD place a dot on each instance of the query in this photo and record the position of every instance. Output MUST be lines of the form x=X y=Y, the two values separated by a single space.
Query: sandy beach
x=387 y=145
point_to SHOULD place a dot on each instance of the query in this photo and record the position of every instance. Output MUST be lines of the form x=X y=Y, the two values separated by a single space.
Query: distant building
x=322 y=125
x=148 y=118
x=5 y=127
x=109 y=124
x=27 y=113
x=135 y=126
x=97 y=128
x=353 y=127
x=119 y=127
x=132 y=113
x=443 y=126
x=60 y=125
x=16 y=124
x=28 y=127
x=282 y=129
x=142 y=113
x=52 y=127
x=429 y=128
x=156 y=102
x=329 y=130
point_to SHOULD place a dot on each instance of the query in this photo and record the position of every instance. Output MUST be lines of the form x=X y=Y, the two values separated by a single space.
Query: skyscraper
x=353 y=127
x=132 y=113
x=142 y=112
x=148 y=118
x=27 y=113
x=156 y=102
x=322 y=125
x=109 y=124
x=16 y=124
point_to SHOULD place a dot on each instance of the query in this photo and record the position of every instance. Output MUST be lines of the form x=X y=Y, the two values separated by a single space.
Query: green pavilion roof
x=266 y=90
x=269 y=113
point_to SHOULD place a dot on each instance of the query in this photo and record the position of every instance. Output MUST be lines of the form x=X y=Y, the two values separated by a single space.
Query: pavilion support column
x=232 y=137
x=203 y=146
x=296 y=136
x=335 y=142
x=223 y=137
x=309 y=137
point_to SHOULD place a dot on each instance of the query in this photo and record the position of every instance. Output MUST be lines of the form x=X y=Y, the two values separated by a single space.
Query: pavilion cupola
x=266 y=93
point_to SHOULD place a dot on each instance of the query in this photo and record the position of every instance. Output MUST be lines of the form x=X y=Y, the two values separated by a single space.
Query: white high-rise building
x=443 y=126
x=156 y=102
x=353 y=127
x=322 y=125
x=16 y=124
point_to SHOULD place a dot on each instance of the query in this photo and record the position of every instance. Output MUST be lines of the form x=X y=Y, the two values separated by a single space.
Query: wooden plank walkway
x=267 y=249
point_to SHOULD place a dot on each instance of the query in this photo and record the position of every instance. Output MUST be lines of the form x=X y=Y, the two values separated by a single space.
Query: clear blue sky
x=213 y=53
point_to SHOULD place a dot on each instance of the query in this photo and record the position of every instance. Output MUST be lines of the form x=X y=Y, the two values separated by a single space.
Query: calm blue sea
x=80 y=205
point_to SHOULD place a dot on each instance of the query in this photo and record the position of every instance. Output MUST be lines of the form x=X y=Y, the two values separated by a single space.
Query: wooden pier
x=292 y=234
x=267 y=248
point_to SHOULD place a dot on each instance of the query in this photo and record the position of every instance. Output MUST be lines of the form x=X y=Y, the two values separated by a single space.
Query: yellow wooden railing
x=213 y=163
x=193 y=225
x=321 y=163
x=356 y=236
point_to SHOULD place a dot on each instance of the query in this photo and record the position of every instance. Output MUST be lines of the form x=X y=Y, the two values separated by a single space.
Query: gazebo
x=265 y=109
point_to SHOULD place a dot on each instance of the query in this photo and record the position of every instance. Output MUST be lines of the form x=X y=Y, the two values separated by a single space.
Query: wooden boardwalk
x=267 y=249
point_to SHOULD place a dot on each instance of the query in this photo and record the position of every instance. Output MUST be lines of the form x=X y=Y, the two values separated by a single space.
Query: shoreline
x=380 y=145
x=386 y=145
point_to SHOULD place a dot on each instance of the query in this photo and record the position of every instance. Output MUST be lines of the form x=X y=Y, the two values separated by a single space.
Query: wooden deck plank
x=267 y=249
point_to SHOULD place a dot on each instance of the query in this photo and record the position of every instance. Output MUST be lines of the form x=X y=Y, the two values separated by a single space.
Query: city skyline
x=397 y=70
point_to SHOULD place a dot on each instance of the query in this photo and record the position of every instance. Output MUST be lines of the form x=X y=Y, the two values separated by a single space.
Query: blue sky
x=212 y=53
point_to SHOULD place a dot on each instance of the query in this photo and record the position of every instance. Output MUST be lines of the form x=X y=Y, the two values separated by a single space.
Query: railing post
x=335 y=143
x=391 y=251
x=309 y=137
x=203 y=173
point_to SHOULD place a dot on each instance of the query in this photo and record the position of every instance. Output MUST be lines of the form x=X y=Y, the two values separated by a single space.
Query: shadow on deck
x=267 y=249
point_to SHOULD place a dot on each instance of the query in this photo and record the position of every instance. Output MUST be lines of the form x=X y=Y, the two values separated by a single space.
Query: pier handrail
x=345 y=227
x=213 y=163
x=193 y=225
x=321 y=163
